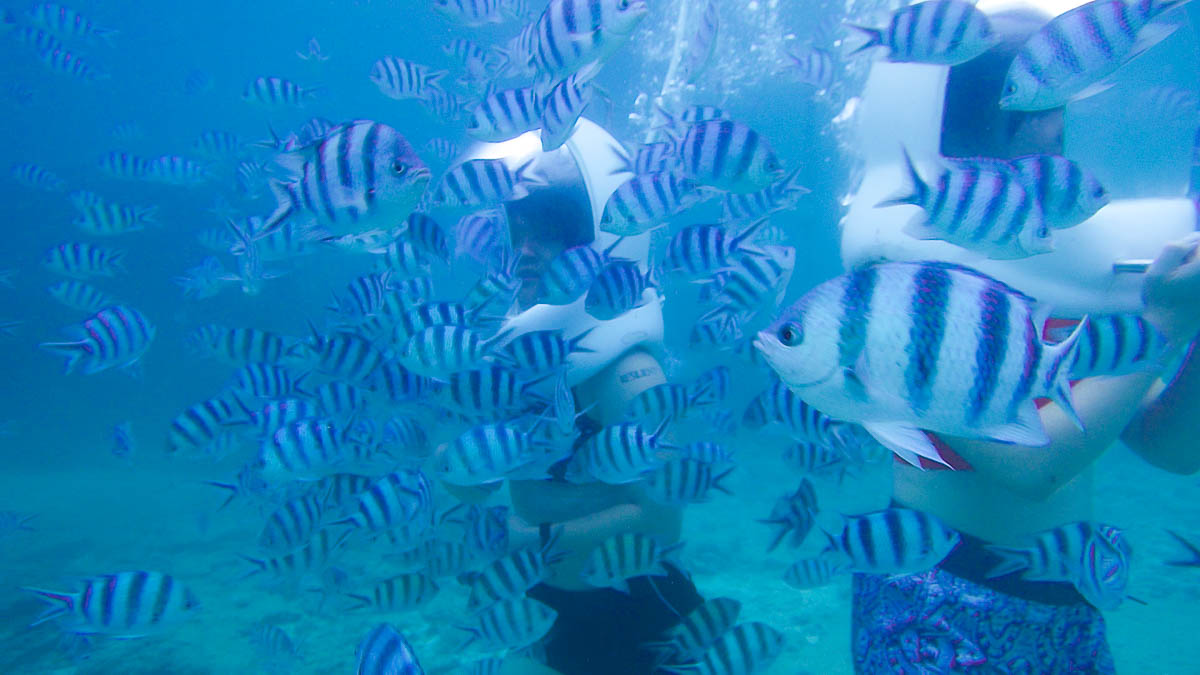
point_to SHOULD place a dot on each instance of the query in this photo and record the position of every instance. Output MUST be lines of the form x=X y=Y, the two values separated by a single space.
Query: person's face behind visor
x=553 y=218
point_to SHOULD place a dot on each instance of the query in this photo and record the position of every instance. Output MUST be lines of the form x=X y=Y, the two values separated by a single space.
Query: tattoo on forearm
x=626 y=378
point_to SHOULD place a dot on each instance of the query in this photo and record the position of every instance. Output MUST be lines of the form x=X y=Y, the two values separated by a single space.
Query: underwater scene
x=608 y=337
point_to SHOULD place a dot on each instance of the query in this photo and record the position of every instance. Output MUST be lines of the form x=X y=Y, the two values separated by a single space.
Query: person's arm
x=1166 y=430
x=1106 y=405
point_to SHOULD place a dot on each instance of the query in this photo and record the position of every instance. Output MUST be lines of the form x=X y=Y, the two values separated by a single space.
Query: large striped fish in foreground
x=122 y=605
x=942 y=32
x=1072 y=55
x=361 y=176
x=900 y=347
x=116 y=337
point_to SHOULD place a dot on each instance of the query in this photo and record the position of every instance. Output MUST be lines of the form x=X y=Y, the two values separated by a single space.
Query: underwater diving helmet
x=567 y=194
x=1119 y=135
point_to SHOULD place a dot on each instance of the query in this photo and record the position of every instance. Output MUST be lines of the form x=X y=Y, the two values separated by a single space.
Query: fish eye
x=399 y=167
x=1098 y=192
x=623 y=5
x=790 y=334
x=1011 y=88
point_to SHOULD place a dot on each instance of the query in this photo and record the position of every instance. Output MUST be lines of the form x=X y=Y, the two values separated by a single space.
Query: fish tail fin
x=283 y=209
x=233 y=491
x=1055 y=370
x=1192 y=549
x=716 y=481
x=71 y=351
x=105 y=34
x=1152 y=8
x=60 y=603
x=1011 y=560
x=913 y=190
x=874 y=37
x=259 y=566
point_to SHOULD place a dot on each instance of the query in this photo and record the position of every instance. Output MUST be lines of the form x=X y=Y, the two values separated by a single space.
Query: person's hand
x=1171 y=291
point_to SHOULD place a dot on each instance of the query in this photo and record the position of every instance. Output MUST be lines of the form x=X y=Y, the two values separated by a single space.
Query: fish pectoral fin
x=1092 y=90
x=917 y=228
x=1150 y=35
x=909 y=443
x=1026 y=430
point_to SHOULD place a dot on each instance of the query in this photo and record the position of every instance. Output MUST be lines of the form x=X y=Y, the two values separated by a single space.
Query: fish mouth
x=767 y=345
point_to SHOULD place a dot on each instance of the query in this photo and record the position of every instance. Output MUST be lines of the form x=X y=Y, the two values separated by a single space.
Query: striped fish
x=624 y=453
x=540 y=352
x=345 y=356
x=979 y=205
x=41 y=41
x=571 y=33
x=116 y=337
x=276 y=91
x=471 y=13
x=562 y=106
x=495 y=292
x=571 y=273
x=745 y=649
x=266 y=380
x=813 y=66
x=478 y=65
x=341 y=400
x=124 y=165
x=102 y=218
x=494 y=390
x=203 y=428
x=943 y=32
x=757 y=280
x=313 y=131
x=685 y=481
x=423 y=232
x=307 y=449
x=401 y=499
x=712 y=386
x=619 y=288
x=305 y=562
x=483 y=182
x=509 y=577
x=38 y=178
x=646 y=201
x=217 y=144
x=291 y=525
x=780 y=196
x=81 y=296
x=429 y=314
x=438 y=351
x=927 y=345
x=811 y=573
x=1067 y=192
x=653 y=158
x=486 y=454
x=402 y=79
x=339 y=492
x=707 y=452
x=277 y=413
x=624 y=556
x=512 y=624
x=239 y=346
x=400 y=593
x=729 y=156
x=399 y=385
x=702 y=250
x=703 y=626
x=442 y=148
x=894 y=541
x=68 y=24
x=68 y=63
x=175 y=170
x=661 y=403
x=362 y=176
x=404 y=260
x=1113 y=344
x=1070 y=57
x=1092 y=556
x=121 y=605
x=505 y=114
x=794 y=515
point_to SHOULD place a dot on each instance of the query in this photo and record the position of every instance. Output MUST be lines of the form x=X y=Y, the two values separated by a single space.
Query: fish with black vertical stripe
x=905 y=347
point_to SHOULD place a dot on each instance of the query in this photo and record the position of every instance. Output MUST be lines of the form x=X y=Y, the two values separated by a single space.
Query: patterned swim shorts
x=936 y=622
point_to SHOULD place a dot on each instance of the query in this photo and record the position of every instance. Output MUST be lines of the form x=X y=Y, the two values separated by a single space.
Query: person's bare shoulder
x=612 y=388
